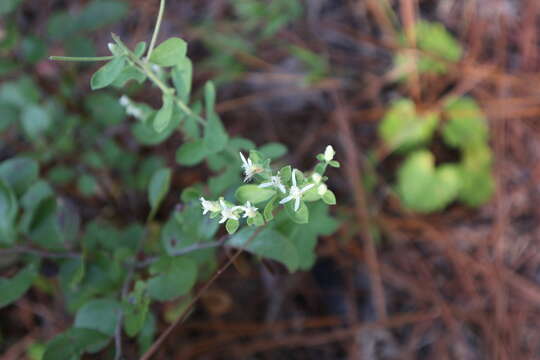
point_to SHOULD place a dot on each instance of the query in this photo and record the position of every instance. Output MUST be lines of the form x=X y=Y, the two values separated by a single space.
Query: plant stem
x=79 y=59
x=156 y=29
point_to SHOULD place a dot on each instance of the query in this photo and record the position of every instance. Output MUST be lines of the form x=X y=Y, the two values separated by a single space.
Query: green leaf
x=215 y=135
x=466 y=125
x=78 y=275
x=435 y=39
x=210 y=97
x=269 y=209
x=424 y=188
x=101 y=315
x=477 y=186
x=108 y=73
x=140 y=48
x=35 y=121
x=285 y=174
x=232 y=226
x=129 y=73
x=19 y=173
x=13 y=288
x=158 y=188
x=99 y=13
x=87 y=185
x=191 y=153
x=402 y=128
x=253 y=194
x=169 y=53
x=301 y=216
x=73 y=343
x=273 y=150
x=267 y=243
x=329 y=197
x=7 y=6
x=182 y=75
x=136 y=309
x=8 y=212
x=164 y=115
x=147 y=135
x=173 y=277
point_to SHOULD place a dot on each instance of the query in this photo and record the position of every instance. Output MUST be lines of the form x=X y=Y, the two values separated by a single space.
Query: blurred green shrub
x=422 y=185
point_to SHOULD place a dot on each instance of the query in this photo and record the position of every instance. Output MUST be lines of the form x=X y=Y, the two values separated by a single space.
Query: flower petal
x=285 y=200
x=297 y=204
x=306 y=188
x=267 y=184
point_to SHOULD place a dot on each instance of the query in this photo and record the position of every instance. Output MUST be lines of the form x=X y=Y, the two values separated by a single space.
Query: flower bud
x=329 y=153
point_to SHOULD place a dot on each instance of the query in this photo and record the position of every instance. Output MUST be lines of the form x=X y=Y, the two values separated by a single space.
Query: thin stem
x=80 y=59
x=156 y=29
x=145 y=68
x=148 y=354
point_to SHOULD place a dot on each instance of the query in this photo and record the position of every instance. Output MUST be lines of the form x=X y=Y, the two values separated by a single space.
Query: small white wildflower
x=322 y=189
x=209 y=206
x=131 y=109
x=295 y=193
x=134 y=111
x=124 y=101
x=227 y=212
x=275 y=181
x=156 y=68
x=250 y=211
x=249 y=168
x=316 y=178
x=112 y=47
x=329 y=153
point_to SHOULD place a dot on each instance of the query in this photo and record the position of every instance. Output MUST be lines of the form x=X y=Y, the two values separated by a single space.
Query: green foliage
x=169 y=53
x=158 y=188
x=402 y=128
x=12 y=289
x=269 y=244
x=424 y=187
x=73 y=343
x=172 y=277
x=437 y=48
x=98 y=149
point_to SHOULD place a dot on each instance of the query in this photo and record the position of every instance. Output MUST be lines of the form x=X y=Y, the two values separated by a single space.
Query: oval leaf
x=191 y=153
x=164 y=115
x=174 y=276
x=253 y=194
x=215 y=136
x=158 y=187
x=12 y=289
x=108 y=73
x=169 y=53
x=269 y=244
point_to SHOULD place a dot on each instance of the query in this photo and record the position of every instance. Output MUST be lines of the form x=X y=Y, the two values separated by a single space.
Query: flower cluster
x=288 y=187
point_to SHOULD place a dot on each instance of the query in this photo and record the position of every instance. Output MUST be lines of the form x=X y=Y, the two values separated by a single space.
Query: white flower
x=316 y=178
x=275 y=181
x=227 y=212
x=208 y=205
x=124 y=101
x=112 y=47
x=249 y=169
x=295 y=192
x=322 y=189
x=131 y=109
x=329 y=153
x=250 y=211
